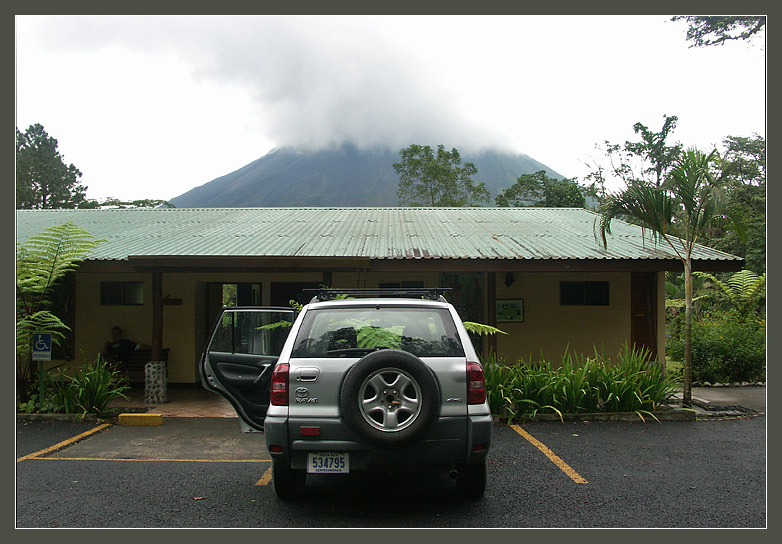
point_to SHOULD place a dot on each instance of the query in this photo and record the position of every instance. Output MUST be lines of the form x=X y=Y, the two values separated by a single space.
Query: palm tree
x=677 y=213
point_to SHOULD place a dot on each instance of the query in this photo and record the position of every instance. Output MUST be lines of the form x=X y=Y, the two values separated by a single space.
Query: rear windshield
x=251 y=332
x=341 y=332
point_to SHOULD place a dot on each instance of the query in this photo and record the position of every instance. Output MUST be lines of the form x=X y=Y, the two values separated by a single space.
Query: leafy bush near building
x=726 y=347
x=89 y=391
x=596 y=384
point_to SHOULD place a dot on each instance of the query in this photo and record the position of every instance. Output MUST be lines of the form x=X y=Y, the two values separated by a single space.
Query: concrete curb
x=665 y=415
x=88 y=418
x=140 y=419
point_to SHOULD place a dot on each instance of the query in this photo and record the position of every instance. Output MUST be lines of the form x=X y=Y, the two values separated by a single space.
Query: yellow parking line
x=266 y=478
x=64 y=443
x=564 y=467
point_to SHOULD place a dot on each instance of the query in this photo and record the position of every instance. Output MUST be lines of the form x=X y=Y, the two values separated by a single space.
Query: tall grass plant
x=630 y=383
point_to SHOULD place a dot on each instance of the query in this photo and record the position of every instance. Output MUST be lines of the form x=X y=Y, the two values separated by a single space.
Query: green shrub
x=726 y=347
x=97 y=384
x=579 y=385
x=94 y=385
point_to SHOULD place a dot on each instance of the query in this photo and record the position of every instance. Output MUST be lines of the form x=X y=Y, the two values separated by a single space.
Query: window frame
x=593 y=293
x=125 y=298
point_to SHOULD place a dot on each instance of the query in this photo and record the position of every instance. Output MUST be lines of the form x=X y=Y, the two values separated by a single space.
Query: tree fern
x=743 y=289
x=480 y=328
x=41 y=262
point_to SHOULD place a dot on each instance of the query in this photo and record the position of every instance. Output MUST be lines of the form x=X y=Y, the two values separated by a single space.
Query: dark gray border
x=399 y=7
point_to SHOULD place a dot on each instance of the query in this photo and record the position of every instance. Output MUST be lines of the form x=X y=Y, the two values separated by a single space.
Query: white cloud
x=153 y=106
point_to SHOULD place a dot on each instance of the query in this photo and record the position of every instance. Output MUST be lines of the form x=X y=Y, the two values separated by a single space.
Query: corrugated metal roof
x=376 y=233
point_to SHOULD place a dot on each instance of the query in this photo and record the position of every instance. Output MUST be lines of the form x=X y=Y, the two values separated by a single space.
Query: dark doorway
x=467 y=298
x=643 y=308
x=282 y=292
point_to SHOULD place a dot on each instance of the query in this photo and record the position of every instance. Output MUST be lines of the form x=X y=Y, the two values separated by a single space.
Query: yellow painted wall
x=551 y=329
x=93 y=322
x=547 y=326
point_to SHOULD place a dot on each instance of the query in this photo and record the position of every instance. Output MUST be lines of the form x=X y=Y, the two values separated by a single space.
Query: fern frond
x=480 y=328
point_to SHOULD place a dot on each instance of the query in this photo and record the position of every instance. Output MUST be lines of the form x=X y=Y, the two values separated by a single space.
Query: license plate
x=319 y=463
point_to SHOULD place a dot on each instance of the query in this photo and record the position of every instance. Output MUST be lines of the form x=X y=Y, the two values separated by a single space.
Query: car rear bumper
x=452 y=441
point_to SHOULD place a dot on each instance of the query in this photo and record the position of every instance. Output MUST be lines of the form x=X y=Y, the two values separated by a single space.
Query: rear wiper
x=351 y=351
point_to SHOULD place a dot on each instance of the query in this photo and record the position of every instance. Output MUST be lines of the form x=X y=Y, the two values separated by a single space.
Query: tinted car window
x=252 y=333
x=333 y=332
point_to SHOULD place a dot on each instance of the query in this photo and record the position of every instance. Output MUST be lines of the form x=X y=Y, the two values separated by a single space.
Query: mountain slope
x=342 y=177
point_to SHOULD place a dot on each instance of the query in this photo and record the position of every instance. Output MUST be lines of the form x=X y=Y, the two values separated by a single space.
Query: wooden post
x=491 y=309
x=157 y=315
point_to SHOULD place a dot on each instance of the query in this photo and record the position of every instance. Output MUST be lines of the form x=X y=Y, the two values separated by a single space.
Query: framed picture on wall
x=510 y=311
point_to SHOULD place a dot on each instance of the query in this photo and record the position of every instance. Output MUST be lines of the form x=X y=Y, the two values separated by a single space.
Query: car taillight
x=280 y=385
x=476 y=385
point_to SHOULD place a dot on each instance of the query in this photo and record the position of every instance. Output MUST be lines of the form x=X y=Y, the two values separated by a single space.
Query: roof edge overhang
x=215 y=263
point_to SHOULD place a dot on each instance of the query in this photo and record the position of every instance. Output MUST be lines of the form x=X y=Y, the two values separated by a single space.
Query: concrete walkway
x=751 y=397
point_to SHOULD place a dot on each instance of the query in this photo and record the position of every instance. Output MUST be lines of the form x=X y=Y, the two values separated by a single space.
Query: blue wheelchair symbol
x=42 y=342
x=42 y=346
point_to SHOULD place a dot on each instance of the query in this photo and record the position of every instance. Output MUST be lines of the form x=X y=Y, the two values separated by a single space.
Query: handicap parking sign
x=42 y=346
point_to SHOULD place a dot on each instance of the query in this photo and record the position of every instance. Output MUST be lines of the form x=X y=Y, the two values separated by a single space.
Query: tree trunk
x=687 y=375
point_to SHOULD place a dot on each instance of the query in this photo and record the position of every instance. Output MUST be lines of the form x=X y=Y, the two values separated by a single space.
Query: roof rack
x=431 y=293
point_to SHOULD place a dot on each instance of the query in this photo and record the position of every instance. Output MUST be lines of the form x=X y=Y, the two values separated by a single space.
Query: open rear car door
x=238 y=362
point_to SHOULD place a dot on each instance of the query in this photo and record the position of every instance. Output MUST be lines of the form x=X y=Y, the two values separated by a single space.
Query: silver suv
x=356 y=384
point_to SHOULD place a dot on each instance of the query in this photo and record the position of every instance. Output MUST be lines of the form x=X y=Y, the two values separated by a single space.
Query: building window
x=583 y=293
x=121 y=293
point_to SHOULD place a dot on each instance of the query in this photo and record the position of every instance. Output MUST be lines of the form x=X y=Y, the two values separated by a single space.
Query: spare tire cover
x=390 y=398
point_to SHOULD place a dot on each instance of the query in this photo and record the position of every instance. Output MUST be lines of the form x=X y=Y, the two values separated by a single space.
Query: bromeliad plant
x=633 y=383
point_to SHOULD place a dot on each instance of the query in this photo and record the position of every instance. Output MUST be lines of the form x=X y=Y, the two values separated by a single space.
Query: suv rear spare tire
x=390 y=398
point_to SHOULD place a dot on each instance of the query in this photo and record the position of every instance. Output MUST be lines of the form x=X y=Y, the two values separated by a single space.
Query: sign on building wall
x=510 y=311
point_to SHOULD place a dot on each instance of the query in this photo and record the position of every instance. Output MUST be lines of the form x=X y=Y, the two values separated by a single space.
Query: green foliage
x=480 y=328
x=115 y=202
x=647 y=161
x=743 y=167
x=633 y=383
x=652 y=149
x=542 y=191
x=376 y=337
x=743 y=290
x=90 y=391
x=41 y=262
x=42 y=178
x=96 y=384
x=676 y=213
x=726 y=347
x=704 y=31
x=426 y=179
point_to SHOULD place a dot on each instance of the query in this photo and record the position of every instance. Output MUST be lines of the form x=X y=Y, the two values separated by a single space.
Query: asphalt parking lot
x=205 y=473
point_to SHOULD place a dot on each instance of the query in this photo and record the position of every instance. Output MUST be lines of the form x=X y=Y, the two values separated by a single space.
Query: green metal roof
x=375 y=233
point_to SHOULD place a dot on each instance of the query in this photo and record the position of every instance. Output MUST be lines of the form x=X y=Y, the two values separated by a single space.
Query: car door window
x=251 y=332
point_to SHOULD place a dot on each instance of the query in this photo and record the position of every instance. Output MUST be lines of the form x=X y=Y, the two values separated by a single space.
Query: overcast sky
x=150 y=107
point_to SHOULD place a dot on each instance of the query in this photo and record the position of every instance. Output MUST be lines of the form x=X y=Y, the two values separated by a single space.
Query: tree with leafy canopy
x=43 y=180
x=437 y=180
x=539 y=190
x=115 y=202
x=646 y=161
x=677 y=213
x=41 y=262
x=744 y=163
x=704 y=31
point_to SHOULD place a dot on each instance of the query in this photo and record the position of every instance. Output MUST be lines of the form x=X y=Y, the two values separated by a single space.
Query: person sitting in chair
x=119 y=348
